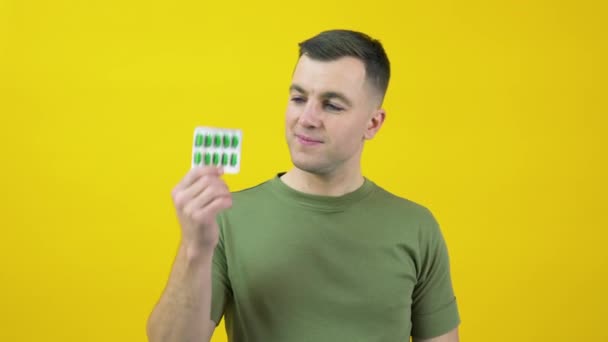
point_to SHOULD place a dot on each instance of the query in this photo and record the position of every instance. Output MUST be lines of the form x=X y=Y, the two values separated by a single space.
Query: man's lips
x=306 y=140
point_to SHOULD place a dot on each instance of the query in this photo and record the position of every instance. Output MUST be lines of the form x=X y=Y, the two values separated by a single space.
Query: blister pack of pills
x=214 y=146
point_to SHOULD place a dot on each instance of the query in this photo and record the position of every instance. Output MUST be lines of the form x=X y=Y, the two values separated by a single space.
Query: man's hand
x=198 y=198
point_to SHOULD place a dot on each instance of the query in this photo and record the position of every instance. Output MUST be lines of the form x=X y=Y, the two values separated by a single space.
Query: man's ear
x=374 y=123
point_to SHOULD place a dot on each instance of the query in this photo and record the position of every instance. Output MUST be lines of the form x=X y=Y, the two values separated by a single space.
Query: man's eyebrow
x=297 y=88
x=325 y=95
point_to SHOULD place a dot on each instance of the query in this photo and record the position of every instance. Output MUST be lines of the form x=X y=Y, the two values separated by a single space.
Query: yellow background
x=496 y=122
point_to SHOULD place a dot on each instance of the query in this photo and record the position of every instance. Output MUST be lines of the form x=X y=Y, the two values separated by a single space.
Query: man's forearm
x=183 y=311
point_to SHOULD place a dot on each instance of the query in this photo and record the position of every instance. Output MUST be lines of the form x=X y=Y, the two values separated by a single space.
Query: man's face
x=331 y=111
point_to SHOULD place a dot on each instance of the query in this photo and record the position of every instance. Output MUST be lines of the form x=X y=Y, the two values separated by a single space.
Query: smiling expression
x=332 y=109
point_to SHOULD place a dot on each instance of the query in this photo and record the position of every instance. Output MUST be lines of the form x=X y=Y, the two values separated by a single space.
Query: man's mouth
x=306 y=140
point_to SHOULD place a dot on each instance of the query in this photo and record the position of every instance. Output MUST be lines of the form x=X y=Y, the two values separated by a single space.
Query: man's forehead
x=345 y=72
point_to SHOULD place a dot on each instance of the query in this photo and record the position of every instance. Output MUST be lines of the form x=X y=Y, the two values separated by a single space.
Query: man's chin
x=313 y=167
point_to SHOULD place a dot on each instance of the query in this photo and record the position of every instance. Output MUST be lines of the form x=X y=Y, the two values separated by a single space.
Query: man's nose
x=310 y=115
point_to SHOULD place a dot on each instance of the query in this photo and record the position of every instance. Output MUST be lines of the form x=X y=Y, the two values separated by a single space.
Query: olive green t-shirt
x=366 y=266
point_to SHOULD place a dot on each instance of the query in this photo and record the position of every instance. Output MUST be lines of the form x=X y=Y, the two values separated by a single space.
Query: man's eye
x=297 y=99
x=332 y=107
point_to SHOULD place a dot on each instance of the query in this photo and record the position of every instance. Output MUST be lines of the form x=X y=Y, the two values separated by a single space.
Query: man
x=318 y=253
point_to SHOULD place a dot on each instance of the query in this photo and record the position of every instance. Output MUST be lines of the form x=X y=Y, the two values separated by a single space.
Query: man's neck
x=325 y=185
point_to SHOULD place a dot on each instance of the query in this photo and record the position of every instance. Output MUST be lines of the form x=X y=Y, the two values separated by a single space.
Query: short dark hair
x=334 y=44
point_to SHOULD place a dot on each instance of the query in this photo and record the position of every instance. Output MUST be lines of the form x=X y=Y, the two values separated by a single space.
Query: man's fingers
x=213 y=208
x=194 y=174
x=216 y=188
x=183 y=197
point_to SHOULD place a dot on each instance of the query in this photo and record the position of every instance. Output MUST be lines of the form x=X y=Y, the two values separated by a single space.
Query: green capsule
x=216 y=158
x=197 y=158
x=224 y=159
x=208 y=140
x=217 y=141
x=226 y=141
x=199 y=140
x=233 y=159
x=207 y=158
x=235 y=141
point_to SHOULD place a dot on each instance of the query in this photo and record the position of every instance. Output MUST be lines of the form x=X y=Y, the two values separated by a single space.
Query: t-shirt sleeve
x=434 y=308
x=221 y=291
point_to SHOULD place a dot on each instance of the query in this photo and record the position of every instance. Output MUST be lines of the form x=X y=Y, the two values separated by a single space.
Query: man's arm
x=183 y=313
x=451 y=336
x=434 y=307
x=185 y=305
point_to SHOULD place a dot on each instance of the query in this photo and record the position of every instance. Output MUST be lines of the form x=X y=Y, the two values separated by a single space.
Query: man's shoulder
x=407 y=214
x=399 y=203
